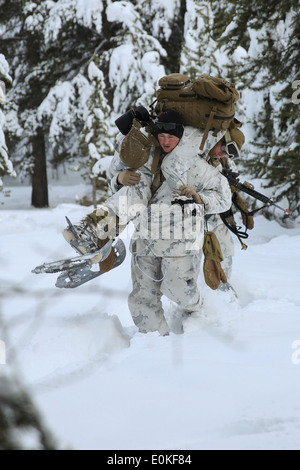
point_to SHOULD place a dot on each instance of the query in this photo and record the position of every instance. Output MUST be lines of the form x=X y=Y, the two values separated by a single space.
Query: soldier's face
x=219 y=151
x=167 y=142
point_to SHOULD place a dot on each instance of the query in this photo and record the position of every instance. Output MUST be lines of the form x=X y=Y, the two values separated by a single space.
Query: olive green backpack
x=207 y=103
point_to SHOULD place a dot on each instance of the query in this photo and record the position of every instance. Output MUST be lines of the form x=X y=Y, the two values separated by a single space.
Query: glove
x=248 y=221
x=212 y=270
x=128 y=177
x=241 y=205
x=190 y=193
x=213 y=273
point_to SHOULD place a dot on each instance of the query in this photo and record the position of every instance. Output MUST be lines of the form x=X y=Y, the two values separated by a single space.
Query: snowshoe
x=75 y=277
x=75 y=262
x=77 y=270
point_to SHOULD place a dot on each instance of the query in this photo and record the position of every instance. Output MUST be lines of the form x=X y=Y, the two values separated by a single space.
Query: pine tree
x=49 y=45
x=134 y=61
x=270 y=35
x=199 y=49
x=6 y=166
x=21 y=425
x=25 y=136
x=165 y=22
x=96 y=141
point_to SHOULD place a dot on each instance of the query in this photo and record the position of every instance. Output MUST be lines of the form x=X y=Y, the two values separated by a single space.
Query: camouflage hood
x=186 y=155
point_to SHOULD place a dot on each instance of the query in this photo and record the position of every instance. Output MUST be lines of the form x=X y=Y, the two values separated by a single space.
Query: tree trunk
x=39 y=195
x=174 y=43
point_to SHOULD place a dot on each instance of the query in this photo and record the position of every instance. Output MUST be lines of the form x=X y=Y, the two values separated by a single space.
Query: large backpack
x=207 y=103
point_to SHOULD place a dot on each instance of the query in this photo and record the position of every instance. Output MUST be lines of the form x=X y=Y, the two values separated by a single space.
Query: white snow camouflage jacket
x=171 y=230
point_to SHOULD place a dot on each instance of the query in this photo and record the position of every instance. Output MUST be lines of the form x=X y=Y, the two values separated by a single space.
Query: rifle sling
x=234 y=229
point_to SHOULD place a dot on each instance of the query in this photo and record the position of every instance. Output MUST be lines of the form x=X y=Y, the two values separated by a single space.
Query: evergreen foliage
x=21 y=426
x=269 y=67
x=96 y=140
x=71 y=67
x=6 y=165
x=51 y=44
x=198 y=53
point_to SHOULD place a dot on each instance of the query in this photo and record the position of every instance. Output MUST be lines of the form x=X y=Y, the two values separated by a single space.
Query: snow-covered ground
x=232 y=382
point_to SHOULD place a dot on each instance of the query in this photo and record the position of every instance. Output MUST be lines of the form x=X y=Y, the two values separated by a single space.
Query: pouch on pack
x=136 y=146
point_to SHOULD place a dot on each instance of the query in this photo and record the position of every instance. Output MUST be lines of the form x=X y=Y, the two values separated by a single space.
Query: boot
x=92 y=233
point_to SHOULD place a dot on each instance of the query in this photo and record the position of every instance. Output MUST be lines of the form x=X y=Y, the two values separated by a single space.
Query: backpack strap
x=207 y=127
x=227 y=137
x=155 y=161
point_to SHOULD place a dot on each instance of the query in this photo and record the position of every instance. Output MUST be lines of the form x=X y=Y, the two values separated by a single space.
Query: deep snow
x=232 y=382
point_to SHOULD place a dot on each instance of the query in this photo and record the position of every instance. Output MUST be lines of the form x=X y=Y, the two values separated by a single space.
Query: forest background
x=71 y=67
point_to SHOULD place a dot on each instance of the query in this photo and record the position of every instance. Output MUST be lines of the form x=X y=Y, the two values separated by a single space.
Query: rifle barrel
x=232 y=179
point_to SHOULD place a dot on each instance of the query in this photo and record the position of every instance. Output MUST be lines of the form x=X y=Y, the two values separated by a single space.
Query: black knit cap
x=169 y=122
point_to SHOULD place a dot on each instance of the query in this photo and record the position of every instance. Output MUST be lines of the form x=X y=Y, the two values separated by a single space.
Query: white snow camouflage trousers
x=153 y=277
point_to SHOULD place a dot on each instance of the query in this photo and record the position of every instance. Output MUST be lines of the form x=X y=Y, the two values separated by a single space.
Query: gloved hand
x=248 y=220
x=190 y=193
x=128 y=177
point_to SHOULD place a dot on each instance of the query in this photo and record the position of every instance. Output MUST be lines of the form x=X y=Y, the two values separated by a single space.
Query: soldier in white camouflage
x=214 y=222
x=167 y=202
x=224 y=155
x=163 y=265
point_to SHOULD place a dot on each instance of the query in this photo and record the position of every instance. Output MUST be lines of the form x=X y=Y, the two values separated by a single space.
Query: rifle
x=247 y=188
